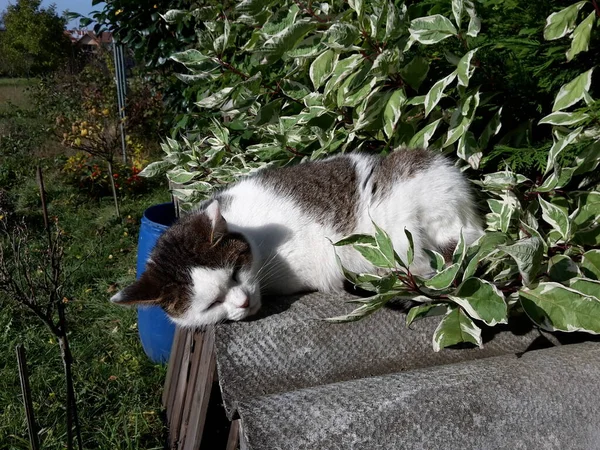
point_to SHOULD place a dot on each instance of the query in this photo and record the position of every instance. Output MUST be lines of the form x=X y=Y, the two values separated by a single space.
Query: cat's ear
x=145 y=291
x=218 y=223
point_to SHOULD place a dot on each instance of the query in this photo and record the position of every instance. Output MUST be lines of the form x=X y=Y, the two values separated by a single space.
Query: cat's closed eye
x=235 y=275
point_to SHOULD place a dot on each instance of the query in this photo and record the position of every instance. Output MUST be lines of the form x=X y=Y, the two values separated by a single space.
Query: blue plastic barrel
x=155 y=328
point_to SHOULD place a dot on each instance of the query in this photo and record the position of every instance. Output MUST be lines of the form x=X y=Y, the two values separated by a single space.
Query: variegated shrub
x=283 y=81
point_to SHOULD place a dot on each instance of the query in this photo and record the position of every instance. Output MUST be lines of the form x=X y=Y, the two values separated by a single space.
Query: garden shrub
x=90 y=175
x=509 y=97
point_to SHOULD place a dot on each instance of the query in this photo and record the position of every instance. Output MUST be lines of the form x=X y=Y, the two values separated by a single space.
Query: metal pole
x=26 y=390
x=120 y=82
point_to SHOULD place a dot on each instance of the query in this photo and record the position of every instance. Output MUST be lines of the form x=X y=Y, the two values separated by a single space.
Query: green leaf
x=500 y=181
x=384 y=243
x=465 y=69
x=216 y=100
x=369 y=306
x=369 y=248
x=443 y=279
x=175 y=15
x=357 y=5
x=457 y=11
x=422 y=137
x=181 y=176
x=561 y=268
x=482 y=301
x=393 y=111
x=269 y=113
x=322 y=67
x=581 y=36
x=564 y=118
x=436 y=92
x=467 y=114
x=586 y=287
x=425 y=310
x=467 y=149
x=588 y=159
x=155 y=168
x=410 y=252
x=561 y=23
x=455 y=328
x=491 y=129
x=276 y=46
x=556 y=217
x=474 y=22
x=528 y=254
x=342 y=35
x=415 y=72
x=190 y=57
x=431 y=29
x=573 y=91
x=436 y=260
x=555 y=307
x=590 y=264
x=482 y=248
x=559 y=146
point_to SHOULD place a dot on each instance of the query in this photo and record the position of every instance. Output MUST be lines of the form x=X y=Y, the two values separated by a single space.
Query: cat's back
x=324 y=191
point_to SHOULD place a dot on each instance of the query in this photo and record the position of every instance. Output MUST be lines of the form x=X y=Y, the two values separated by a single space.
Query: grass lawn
x=118 y=388
x=13 y=92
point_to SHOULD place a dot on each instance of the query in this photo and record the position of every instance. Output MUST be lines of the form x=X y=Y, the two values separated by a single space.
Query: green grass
x=13 y=93
x=118 y=388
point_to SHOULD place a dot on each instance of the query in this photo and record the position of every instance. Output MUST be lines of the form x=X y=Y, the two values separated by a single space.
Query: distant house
x=88 y=41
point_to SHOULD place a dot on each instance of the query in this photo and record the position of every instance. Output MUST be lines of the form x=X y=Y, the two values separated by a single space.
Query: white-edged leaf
x=581 y=36
x=562 y=22
x=474 y=26
x=573 y=91
x=155 y=168
x=457 y=11
x=465 y=69
x=321 y=67
x=455 y=328
x=562 y=268
x=431 y=29
x=410 y=251
x=190 y=57
x=426 y=310
x=437 y=91
x=590 y=264
x=369 y=306
x=555 y=307
x=556 y=217
x=564 y=118
x=180 y=176
x=491 y=129
x=443 y=280
x=559 y=146
x=528 y=254
x=422 y=137
x=393 y=111
x=481 y=300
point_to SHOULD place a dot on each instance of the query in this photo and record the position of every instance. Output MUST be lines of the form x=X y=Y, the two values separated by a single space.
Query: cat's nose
x=246 y=302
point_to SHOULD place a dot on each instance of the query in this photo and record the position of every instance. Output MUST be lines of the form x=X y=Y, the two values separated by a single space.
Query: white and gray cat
x=272 y=233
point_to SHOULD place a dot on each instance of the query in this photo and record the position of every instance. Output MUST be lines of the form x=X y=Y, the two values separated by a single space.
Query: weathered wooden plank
x=180 y=390
x=234 y=435
x=201 y=395
x=192 y=385
x=173 y=371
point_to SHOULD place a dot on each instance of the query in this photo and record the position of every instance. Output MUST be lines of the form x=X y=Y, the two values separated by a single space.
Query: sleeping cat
x=272 y=233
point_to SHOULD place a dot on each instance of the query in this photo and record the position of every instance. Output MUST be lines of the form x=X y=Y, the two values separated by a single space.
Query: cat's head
x=200 y=273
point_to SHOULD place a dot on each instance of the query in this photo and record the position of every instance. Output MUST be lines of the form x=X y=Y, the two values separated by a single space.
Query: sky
x=79 y=6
